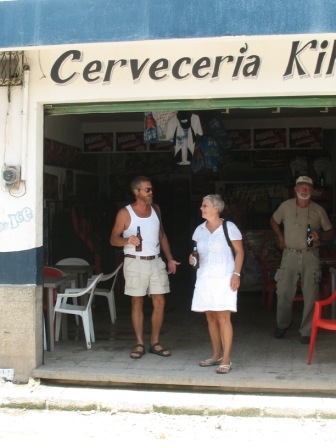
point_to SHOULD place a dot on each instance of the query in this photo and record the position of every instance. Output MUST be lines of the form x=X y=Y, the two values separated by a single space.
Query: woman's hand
x=235 y=282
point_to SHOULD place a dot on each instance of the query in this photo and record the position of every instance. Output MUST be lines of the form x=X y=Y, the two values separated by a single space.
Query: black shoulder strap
x=226 y=233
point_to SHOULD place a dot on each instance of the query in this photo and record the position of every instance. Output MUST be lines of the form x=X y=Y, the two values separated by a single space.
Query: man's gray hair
x=136 y=182
x=216 y=200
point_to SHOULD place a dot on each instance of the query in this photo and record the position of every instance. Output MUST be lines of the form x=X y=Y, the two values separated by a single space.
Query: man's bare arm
x=120 y=224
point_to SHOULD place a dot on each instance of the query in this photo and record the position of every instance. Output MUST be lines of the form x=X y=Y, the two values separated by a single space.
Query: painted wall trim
x=22 y=267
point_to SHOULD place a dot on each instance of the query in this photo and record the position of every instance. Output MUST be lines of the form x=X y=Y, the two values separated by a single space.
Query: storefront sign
x=158 y=69
x=221 y=67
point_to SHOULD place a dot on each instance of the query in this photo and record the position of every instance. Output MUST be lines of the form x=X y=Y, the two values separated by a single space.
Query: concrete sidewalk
x=35 y=395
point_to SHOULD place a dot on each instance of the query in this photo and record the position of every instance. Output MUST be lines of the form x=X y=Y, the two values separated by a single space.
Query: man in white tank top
x=145 y=272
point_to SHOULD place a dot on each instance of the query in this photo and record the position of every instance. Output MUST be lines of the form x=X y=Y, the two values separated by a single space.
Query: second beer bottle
x=138 y=234
x=195 y=255
x=309 y=237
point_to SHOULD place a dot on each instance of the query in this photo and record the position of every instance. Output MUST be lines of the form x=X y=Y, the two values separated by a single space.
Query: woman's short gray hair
x=216 y=200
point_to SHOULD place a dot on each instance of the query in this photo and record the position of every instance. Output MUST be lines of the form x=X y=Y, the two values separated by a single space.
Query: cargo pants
x=295 y=264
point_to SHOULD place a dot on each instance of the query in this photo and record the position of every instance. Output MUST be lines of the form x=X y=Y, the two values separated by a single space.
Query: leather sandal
x=161 y=352
x=137 y=354
x=210 y=362
x=224 y=368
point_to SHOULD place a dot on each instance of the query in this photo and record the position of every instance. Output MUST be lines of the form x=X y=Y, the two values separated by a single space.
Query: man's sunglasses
x=147 y=189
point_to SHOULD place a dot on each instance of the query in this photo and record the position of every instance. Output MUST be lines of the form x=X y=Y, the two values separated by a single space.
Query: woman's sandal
x=210 y=362
x=224 y=368
x=137 y=354
x=161 y=352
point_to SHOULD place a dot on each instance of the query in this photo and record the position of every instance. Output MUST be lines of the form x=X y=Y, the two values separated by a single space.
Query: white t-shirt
x=184 y=139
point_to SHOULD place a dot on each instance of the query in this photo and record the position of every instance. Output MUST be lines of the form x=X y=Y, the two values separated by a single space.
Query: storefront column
x=21 y=330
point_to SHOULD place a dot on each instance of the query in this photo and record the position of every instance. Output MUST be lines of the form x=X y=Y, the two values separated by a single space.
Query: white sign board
x=228 y=67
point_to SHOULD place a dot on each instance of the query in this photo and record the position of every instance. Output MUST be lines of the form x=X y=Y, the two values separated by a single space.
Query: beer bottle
x=309 y=238
x=138 y=234
x=195 y=256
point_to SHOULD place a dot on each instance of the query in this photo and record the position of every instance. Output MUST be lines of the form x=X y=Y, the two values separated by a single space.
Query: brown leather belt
x=150 y=257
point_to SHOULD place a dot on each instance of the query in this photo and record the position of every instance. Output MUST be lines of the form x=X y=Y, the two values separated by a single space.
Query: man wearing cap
x=290 y=222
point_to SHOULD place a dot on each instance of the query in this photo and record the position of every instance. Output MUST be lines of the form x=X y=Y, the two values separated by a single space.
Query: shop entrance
x=259 y=147
x=91 y=186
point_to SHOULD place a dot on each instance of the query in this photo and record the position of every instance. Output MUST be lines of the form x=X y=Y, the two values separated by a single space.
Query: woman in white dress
x=218 y=279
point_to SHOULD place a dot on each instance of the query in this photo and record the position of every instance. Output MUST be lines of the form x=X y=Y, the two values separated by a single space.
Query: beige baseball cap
x=304 y=180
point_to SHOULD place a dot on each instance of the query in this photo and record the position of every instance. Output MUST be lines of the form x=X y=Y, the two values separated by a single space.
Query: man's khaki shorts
x=144 y=277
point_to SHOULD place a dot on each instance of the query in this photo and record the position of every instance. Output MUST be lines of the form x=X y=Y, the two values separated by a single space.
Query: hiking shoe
x=279 y=333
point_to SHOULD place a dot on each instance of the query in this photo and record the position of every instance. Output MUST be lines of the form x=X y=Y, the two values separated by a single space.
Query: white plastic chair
x=62 y=306
x=72 y=283
x=109 y=293
x=74 y=262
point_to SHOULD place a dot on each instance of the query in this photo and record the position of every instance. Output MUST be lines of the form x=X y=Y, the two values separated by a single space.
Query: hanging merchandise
x=213 y=126
x=161 y=118
x=184 y=129
x=212 y=153
x=150 y=131
x=211 y=147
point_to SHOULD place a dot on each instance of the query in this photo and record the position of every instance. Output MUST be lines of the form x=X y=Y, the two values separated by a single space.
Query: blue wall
x=50 y=22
